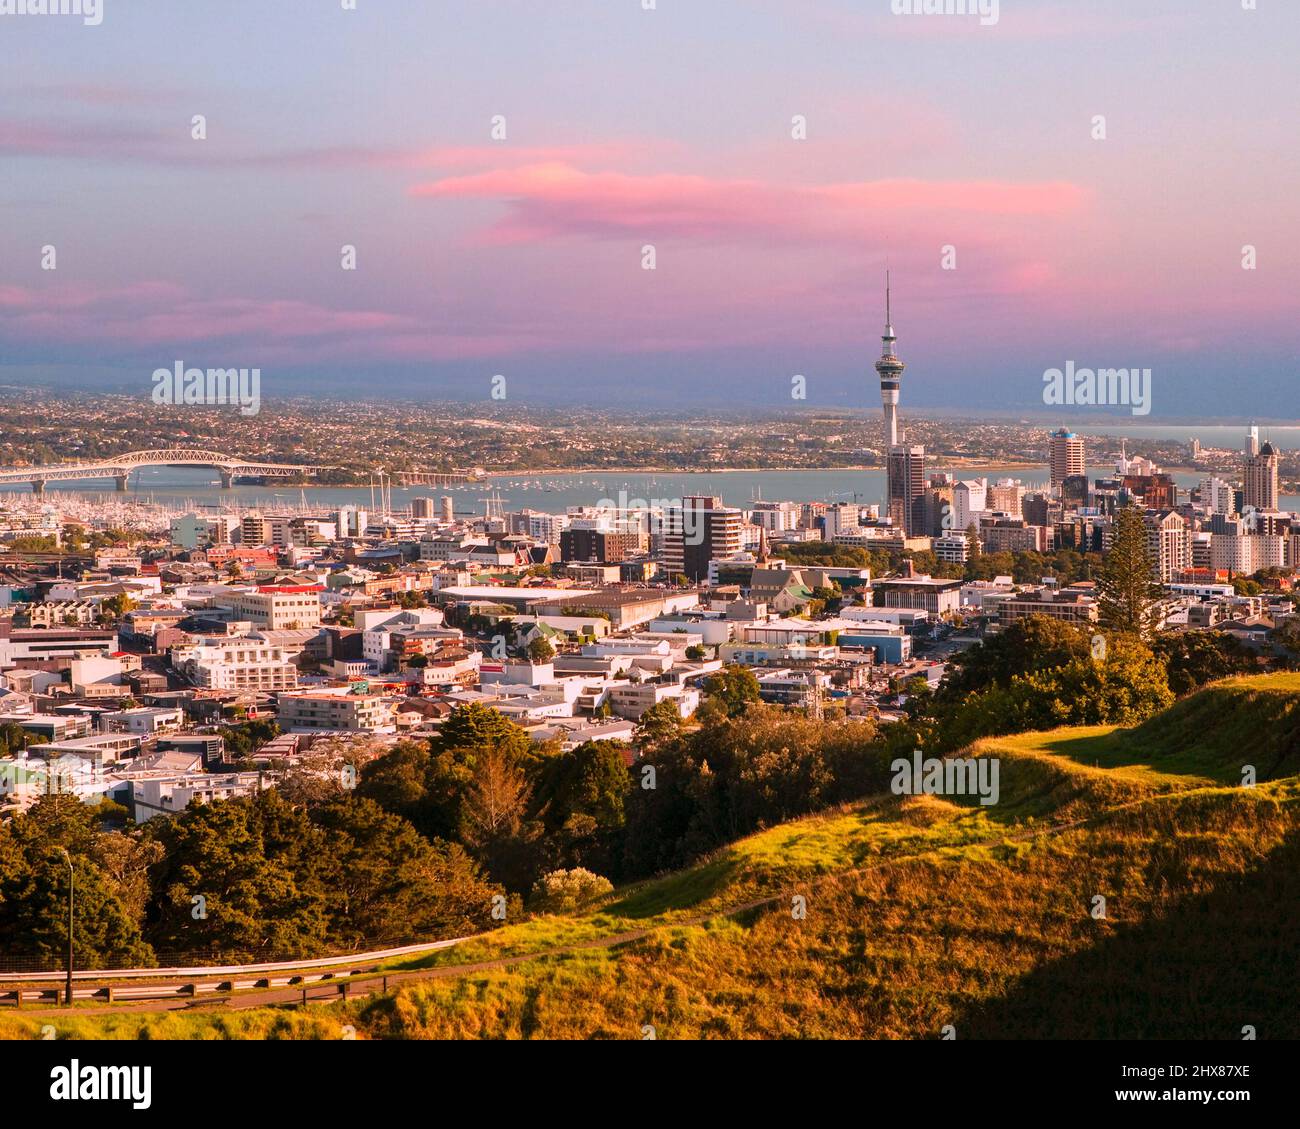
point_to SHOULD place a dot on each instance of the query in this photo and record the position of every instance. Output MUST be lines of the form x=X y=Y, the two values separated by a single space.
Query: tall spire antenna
x=890 y=369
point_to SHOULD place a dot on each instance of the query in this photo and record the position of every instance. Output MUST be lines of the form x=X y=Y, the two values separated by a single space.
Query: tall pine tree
x=1128 y=593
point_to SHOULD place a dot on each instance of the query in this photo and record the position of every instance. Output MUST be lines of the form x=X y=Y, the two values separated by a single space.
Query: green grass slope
x=920 y=913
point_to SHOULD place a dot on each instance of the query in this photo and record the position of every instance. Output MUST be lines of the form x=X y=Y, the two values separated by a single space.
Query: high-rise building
x=1261 y=492
x=352 y=522
x=907 y=492
x=421 y=509
x=259 y=529
x=1074 y=490
x=1066 y=456
x=696 y=532
x=940 y=506
x=538 y=525
x=1218 y=496
x=1169 y=542
x=448 y=508
x=776 y=517
x=842 y=517
x=970 y=498
x=601 y=545
x=1006 y=496
x=253 y=530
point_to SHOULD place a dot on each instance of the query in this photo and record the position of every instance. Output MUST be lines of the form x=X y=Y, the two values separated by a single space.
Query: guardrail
x=112 y=993
x=199 y=978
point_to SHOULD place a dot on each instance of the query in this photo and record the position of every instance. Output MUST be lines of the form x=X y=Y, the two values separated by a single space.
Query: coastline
x=999 y=465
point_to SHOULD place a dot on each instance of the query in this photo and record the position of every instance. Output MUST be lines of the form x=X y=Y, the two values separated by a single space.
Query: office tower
x=1260 y=477
x=1066 y=456
x=696 y=532
x=940 y=506
x=1074 y=490
x=1006 y=496
x=907 y=492
x=421 y=509
x=448 y=508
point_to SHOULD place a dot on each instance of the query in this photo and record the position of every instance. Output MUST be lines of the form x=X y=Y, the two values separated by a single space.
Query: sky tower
x=905 y=492
x=891 y=371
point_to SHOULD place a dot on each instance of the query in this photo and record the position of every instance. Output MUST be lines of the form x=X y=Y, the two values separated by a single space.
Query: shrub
x=563 y=890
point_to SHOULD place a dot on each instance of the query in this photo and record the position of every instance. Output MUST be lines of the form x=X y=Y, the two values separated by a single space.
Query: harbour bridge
x=119 y=468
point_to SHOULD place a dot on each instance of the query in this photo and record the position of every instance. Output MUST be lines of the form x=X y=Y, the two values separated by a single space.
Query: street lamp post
x=71 y=882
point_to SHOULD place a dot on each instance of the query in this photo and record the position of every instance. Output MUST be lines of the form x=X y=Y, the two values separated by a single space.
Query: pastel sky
x=671 y=127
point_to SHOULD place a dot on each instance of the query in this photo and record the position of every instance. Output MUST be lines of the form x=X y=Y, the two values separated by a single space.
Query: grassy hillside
x=921 y=913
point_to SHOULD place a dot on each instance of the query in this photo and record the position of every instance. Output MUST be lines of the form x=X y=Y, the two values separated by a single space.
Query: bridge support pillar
x=227 y=479
x=120 y=481
x=38 y=486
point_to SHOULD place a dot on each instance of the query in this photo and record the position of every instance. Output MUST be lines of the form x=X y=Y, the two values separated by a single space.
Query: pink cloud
x=555 y=199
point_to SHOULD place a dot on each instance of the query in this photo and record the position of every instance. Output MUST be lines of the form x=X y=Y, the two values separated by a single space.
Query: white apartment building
x=842 y=518
x=143 y=721
x=540 y=526
x=1247 y=553
x=446 y=672
x=276 y=610
x=218 y=663
x=954 y=548
x=377 y=626
x=776 y=517
x=1169 y=541
x=969 y=502
x=336 y=710
x=24 y=779
x=696 y=532
x=633 y=701
x=260 y=529
x=1218 y=496
x=168 y=793
x=352 y=521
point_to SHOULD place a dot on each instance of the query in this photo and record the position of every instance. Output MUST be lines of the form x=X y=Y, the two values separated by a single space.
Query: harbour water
x=182 y=489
